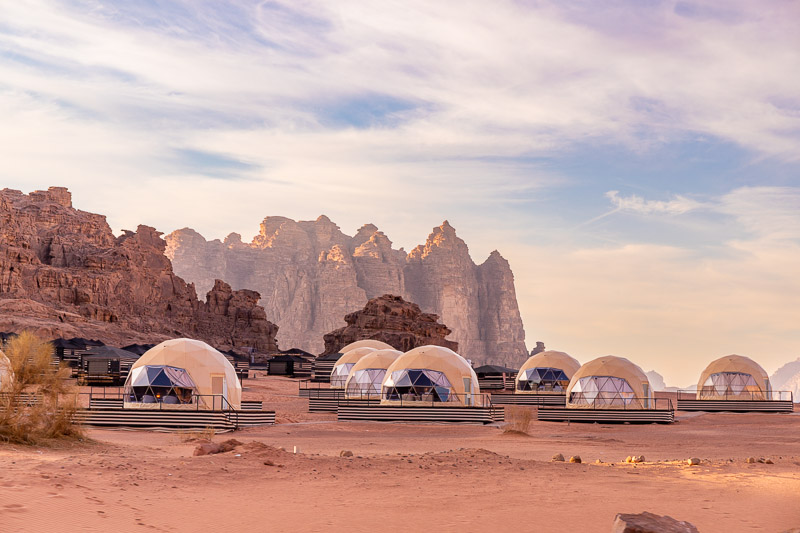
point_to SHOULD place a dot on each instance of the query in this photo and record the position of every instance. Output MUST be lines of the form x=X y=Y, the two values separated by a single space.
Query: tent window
x=604 y=391
x=418 y=384
x=160 y=384
x=543 y=379
x=731 y=385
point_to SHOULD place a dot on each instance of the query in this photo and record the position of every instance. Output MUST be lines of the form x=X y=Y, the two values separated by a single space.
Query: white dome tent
x=341 y=370
x=367 y=374
x=547 y=372
x=609 y=382
x=182 y=374
x=734 y=377
x=431 y=375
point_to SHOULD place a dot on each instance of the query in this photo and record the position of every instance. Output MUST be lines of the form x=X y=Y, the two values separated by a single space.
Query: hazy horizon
x=636 y=164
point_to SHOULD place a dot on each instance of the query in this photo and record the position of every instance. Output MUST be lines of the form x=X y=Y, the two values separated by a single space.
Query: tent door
x=219 y=387
x=467 y=391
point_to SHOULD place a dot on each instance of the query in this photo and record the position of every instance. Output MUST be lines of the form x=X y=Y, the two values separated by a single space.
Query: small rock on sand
x=345 y=453
x=650 y=523
x=750 y=460
x=693 y=461
x=769 y=462
x=558 y=457
x=575 y=459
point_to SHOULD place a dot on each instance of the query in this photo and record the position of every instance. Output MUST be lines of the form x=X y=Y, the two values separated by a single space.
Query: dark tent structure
x=495 y=377
x=105 y=365
x=138 y=349
x=284 y=365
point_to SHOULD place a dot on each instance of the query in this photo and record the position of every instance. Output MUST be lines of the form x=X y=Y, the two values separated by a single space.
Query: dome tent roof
x=366 y=343
x=341 y=370
x=379 y=361
x=734 y=364
x=200 y=361
x=559 y=361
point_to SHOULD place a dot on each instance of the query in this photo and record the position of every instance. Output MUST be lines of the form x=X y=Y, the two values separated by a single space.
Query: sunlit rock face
x=311 y=275
x=64 y=273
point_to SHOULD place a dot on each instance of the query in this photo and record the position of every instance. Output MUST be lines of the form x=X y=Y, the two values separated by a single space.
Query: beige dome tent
x=367 y=374
x=341 y=370
x=734 y=377
x=609 y=382
x=366 y=343
x=430 y=374
x=182 y=374
x=546 y=372
x=6 y=372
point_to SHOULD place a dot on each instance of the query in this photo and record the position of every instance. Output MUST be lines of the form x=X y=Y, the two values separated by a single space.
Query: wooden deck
x=173 y=419
x=362 y=410
x=529 y=399
x=562 y=414
x=739 y=406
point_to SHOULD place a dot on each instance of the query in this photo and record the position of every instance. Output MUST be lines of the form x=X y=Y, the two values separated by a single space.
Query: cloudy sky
x=638 y=164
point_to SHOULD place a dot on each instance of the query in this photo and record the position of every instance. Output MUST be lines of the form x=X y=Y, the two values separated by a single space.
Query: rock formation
x=63 y=272
x=311 y=275
x=787 y=378
x=394 y=321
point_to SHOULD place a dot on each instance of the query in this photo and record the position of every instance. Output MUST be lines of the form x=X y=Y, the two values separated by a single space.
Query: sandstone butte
x=394 y=321
x=310 y=275
x=64 y=273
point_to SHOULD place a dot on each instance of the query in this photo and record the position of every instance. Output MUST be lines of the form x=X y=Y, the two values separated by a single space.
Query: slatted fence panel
x=774 y=406
x=555 y=414
x=389 y=413
x=529 y=399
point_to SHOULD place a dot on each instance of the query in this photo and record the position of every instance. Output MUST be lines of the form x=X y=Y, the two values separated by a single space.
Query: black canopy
x=138 y=349
x=494 y=369
x=108 y=352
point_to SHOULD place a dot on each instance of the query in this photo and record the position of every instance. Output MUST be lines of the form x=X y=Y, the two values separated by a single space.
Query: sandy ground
x=412 y=477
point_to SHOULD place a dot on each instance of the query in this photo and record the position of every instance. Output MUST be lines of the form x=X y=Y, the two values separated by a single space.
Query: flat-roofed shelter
x=430 y=374
x=367 y=374
x=366 y=343
x=547 y=372
x=734 y=377
x=6 y=372
x=609 y=382
x=182 y=374
x=341 y=370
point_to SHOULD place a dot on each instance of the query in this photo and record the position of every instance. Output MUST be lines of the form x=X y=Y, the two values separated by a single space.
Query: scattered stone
x=575 y=459
x=769 y=462
x=557 y=458
x=629 y=459
x=693 y=461
x=761 y=460
x=269 y=463
x=345 y=453
x=211 y=448
x=750 y=460
x=598 y=461
x=650 y=523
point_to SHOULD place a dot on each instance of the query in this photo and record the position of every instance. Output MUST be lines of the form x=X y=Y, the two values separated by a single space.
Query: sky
x=637 y=162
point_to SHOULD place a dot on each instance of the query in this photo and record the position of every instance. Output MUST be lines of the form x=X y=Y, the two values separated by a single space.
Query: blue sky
x=637 y=162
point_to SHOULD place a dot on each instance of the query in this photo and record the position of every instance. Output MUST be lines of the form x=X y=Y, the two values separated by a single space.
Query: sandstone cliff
x=310 y=275
x=394 y=321
x=63 y=272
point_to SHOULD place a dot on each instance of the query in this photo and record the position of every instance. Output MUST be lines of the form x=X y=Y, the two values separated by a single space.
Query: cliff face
x=310 y=275
x=62 y=271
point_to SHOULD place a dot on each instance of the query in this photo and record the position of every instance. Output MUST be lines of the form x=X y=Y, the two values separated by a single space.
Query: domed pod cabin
x=366 y=376
x=431 y=375
x=182 y=374
x=609 y=382
x=547 y=372
x=734 y=377
x=323 y=365
x=341 y=370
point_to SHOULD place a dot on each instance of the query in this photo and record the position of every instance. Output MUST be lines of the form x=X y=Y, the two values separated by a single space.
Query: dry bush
x=518 y=419
x=206 y=434
x=36 y=404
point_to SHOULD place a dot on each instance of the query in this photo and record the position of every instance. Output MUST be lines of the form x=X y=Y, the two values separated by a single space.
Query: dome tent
x=6 y=372
x=547 y=372
x=181 y=374
x=366 y=343
x=430 y=374
x=609 y=382
x=341 y=370
x=367 y=374
x=734 y=377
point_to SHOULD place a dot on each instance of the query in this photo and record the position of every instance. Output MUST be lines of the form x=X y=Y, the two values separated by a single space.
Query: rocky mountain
x=656 y=381
x=787 y=378
x=310 y=275
x=64 y=273
x=394 y=321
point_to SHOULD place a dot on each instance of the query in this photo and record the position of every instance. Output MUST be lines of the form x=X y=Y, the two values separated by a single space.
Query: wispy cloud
x=636 y=204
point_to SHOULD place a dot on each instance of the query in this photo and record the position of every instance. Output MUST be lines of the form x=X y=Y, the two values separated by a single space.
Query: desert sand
x=411 y=477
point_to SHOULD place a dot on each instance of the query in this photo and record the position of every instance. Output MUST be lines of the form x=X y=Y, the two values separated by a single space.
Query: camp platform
x=364 y=410
x=781 y=402
x=108 y=411
x=530 y=399
x=662 y=412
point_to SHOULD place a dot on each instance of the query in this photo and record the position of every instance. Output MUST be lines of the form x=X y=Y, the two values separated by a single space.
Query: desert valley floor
x=408 y=477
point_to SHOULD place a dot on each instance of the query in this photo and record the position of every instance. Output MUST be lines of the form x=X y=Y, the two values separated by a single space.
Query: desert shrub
x=518 y=419
x=37 y=403
x=199 y=434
